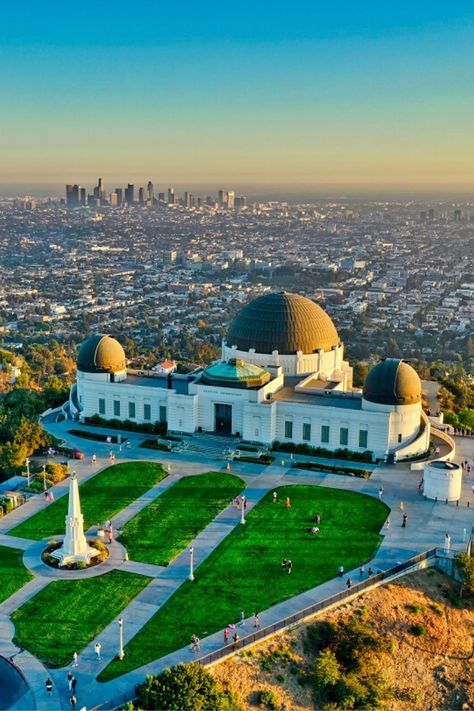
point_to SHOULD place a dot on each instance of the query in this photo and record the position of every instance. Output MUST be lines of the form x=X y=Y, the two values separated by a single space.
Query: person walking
x=235 y=639
x=94 y=460
x=49 y=686
x=340 y=571
x=388 y=524
x=362 y=571
x=73 y=701
x=73 y=684
x=289 y=566
x=370 y=572
x=288 y=502
x=70 y=677
x=75 y=660
x=275 y=497
x=226 y=636
x=404 y=522
x=97 y=649
x=242 y=618
x=284 y=564
x=349 y=583
x=380 y=492
x=256 y=620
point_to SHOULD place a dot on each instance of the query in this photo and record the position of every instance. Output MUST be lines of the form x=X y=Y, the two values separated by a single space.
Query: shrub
x=321 y=451
x=418 y=630
x=185 y=686
x=327 y=672
x=268 y=699
x=415 y=607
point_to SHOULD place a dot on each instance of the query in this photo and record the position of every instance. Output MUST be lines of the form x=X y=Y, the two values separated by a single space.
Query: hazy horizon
x=343 y=95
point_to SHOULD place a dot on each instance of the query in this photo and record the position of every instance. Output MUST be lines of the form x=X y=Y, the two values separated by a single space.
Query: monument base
x=65 y=558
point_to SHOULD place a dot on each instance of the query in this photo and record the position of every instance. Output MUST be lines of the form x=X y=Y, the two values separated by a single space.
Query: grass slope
x=13 y=574
x=244 y=570
x=166 y=526
x=68 y=614
x=102 y=497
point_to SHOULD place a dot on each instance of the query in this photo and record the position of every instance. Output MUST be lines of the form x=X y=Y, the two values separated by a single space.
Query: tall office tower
x=69 y=195
x=431 y=214
x=243 y=201
x=457 y=215
x=220 y=198
x=188 y=200
x=130 y=194
x=151 y=192
x=231 y=199
x=161 y=197
x=75 y=195
x=209 y=201
x=100 y=188
x=141 y=196
x=119 y=192
x=199 y=202
x=113 y=199
x=171 y=197
x=82 y=196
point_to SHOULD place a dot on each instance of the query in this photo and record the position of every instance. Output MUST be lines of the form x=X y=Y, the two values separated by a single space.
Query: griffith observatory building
x=281 y=377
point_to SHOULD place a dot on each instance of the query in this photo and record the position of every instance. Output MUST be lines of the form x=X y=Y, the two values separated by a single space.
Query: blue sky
x=353 y=93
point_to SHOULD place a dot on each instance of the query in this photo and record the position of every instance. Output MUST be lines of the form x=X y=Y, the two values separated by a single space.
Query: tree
x=327 y=672
x=361 y=370
x=186 y=686
x=465 y=566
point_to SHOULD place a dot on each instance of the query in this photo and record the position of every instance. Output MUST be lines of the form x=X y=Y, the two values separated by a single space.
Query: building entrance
x=223 y=419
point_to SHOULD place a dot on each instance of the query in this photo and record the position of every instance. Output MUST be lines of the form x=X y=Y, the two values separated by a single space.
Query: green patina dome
x=101 y=354
x=282 y=322
x=392 y=382
x=235 y=373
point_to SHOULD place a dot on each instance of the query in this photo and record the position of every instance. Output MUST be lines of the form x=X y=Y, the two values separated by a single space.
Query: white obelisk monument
x=75 y=548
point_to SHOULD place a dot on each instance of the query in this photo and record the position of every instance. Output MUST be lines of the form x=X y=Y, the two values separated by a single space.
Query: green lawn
x=166 y=526
x=102 y=497
x=68 y=614
x=13 y=574
x=244 y=571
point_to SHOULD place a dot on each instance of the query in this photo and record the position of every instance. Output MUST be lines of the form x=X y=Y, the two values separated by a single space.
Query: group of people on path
x=71 y=682
x=105 y=532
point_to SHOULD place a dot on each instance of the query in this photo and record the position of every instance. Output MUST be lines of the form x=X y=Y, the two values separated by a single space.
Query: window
x=288 y=429
x=306 y=431
x=147 y=412
x=325 y=433
x=117 y=408
x=363 y=438
x=344 y=436
x=131 y=410
x=102 y=406
x=399 y=438
x=162 y=413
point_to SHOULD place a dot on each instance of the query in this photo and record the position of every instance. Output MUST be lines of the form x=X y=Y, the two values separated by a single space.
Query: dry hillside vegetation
x=425 y=655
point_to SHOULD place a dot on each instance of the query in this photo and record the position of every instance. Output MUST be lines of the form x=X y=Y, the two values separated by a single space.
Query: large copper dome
x=282 y=322
x=392 y=382
x=101 y=354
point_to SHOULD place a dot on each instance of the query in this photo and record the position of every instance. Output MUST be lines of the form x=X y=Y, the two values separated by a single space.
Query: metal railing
x=286 y=622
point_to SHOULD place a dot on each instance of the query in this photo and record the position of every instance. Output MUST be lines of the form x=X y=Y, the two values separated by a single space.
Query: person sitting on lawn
x=313 y=529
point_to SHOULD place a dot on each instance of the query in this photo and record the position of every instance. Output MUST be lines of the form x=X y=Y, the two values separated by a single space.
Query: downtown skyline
x=349 y=97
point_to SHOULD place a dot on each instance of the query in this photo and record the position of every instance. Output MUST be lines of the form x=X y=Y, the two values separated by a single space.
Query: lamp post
x=120 y=624
x=191 y=564
x=242 y=508
x=28 y=470
x=44 y=477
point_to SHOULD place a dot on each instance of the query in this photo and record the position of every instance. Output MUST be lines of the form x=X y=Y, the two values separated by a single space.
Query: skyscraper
x=230 y=199
x=220 y=198
x=119 y=192
x=73 y=195
x=141 y=196
x=151 y=192
x=171 y=198
x=130 y=194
